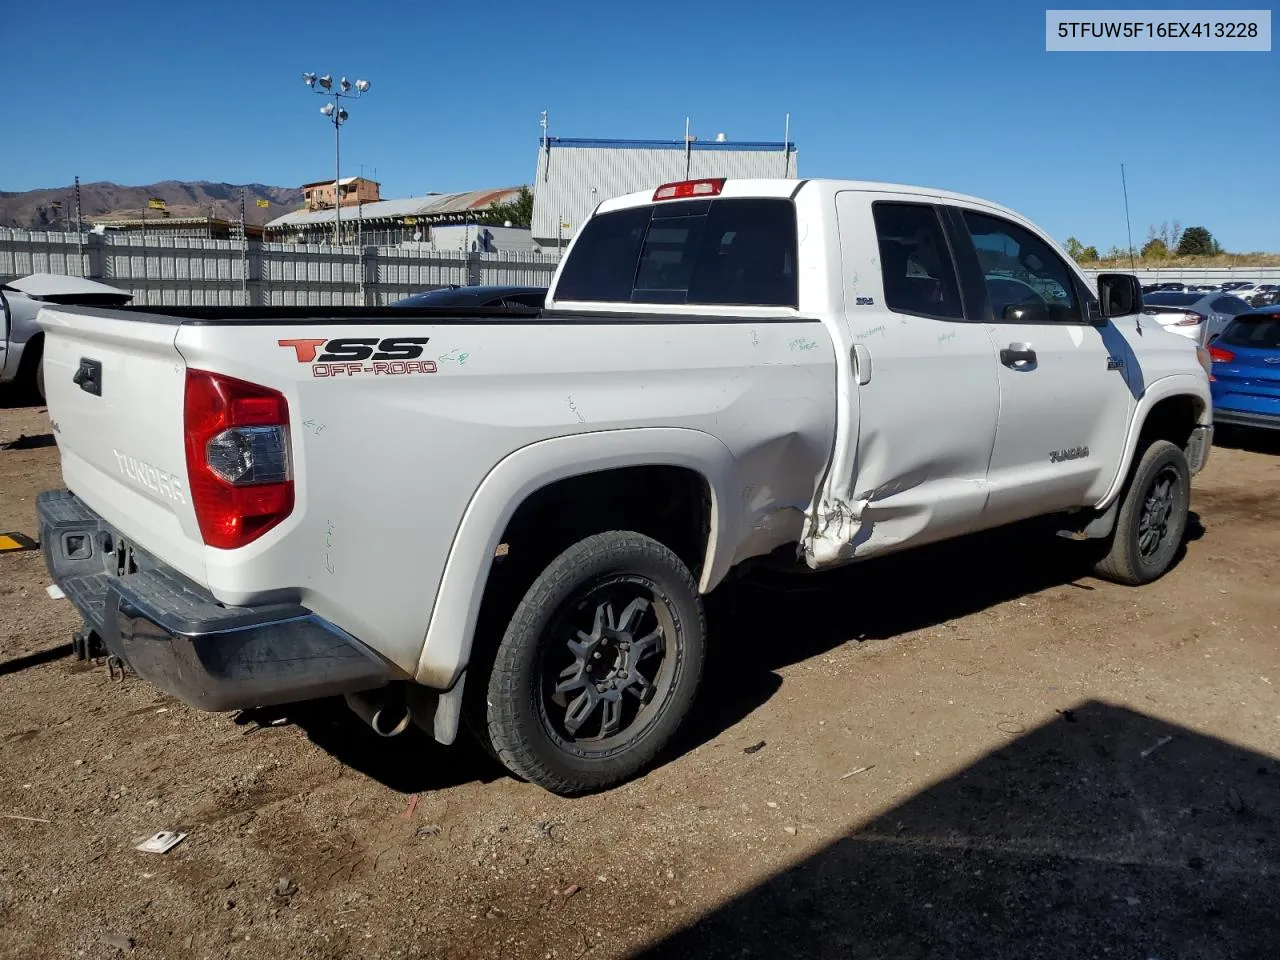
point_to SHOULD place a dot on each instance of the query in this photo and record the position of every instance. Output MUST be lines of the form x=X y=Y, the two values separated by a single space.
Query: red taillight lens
x=689 y=188
x=1221 y=356
x=1190 y=319
x=237 y=440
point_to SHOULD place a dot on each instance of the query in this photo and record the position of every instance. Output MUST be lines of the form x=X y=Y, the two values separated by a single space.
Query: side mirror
x=1119 y=294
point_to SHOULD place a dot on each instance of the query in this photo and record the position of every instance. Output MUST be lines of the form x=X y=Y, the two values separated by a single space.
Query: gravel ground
x=971 y=751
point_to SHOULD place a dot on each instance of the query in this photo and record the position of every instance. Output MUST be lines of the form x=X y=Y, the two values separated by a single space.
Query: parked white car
x=21 y=340
x=513 y=515
x=1194 y=315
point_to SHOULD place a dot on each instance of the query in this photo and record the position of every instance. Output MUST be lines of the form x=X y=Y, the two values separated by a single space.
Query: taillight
x=1221 y=356
x=237 y=440
x=1190 y=319
x=689 y=188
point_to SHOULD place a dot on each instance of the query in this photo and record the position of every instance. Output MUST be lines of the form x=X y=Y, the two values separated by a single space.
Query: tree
x=1155 y=249
x=1115 y=253
x=1074 y=248
x=518 y=211
x=1197 y=242
x=1088 y=254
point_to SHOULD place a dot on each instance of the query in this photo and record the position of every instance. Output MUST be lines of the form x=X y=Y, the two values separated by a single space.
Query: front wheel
x=598 y=666
x=1152 y=518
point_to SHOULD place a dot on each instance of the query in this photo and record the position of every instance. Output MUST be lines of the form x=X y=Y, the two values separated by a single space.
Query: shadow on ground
x=1069 y=842
x=767 y=621
x=757 y=625
x=409 y=763
x=30 y=442
x=12 y=397
x=1246 y=438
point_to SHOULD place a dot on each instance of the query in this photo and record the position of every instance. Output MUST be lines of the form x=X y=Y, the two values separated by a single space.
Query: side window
x=1022 y=272
x=915 y=261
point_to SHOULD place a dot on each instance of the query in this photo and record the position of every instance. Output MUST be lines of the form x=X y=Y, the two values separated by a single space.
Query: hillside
x=112 y=201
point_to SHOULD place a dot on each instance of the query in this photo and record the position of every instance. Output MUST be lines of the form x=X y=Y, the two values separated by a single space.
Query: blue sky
x=939 y=93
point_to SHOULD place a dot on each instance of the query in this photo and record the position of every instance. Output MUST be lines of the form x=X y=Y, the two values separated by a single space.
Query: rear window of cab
x=727 y=251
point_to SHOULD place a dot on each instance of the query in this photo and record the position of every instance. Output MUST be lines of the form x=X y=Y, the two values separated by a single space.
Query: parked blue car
x=1246 y=370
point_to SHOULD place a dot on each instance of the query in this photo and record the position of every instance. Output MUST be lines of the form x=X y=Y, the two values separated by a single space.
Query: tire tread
x=505 y=682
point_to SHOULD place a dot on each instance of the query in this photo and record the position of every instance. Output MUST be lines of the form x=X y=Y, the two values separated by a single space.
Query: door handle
x=861 y=364
x=1017 y=354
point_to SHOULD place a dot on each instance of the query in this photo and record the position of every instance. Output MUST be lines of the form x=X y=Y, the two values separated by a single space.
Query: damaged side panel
x=911 y=463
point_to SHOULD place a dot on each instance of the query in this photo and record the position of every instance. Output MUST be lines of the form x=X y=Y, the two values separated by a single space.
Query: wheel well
x=1172 y=419
x=31 y=356
x=670 y=504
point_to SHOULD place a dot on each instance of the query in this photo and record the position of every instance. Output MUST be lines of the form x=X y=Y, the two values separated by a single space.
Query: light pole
x=338 y=116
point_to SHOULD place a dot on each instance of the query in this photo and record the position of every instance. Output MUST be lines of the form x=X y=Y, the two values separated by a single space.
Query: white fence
x=189 y=271
x=1196 y=274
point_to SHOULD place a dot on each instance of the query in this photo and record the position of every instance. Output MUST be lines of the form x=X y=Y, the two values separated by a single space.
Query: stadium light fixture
x=336 y=114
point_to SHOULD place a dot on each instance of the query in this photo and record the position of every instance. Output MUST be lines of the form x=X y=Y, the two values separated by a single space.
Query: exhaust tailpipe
x=386 y=714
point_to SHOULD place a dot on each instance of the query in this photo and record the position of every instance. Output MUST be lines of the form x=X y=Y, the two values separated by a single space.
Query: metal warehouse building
x=575 y=175
x=388 y=222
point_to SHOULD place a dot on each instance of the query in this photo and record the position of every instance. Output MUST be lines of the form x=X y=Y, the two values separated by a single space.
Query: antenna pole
x=688 y=160
x=786 y=146
x=244 y=252
x=1125 y=186
x=79 y=232
x=546 y=148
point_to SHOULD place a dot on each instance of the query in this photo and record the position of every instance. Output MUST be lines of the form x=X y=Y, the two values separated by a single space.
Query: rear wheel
x=1152 y=517
x=598 y=666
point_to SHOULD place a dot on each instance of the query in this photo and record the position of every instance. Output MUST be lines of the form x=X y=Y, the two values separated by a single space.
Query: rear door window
x=915 y=261
x=727 y=251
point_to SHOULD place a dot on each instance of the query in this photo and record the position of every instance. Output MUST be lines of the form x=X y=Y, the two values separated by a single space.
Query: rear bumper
x=172 y=632
x=1242 y=418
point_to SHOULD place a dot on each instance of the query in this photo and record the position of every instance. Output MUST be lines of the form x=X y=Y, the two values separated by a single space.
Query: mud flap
x=1098 y=528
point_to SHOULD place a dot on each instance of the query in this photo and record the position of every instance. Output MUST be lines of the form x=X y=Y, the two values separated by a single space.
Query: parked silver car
x=1198 y=316
x=21 y=340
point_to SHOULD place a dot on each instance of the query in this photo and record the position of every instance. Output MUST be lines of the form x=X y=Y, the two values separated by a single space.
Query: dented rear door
x=928 y=394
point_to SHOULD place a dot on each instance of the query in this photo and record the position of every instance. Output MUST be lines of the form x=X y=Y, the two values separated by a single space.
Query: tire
x=40 y=379
x=1152 y=518
x=598 y=666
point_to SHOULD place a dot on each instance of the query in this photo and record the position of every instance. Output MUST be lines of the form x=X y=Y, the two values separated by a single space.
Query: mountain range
x=35 y=209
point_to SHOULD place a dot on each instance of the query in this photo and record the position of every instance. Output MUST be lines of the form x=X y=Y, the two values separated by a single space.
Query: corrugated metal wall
x=572 y=180
x=180 y=271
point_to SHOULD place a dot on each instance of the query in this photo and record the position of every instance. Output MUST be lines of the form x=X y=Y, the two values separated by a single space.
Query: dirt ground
x=971 y=751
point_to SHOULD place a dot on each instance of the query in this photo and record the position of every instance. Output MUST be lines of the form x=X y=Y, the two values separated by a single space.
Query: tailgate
x=114 y=383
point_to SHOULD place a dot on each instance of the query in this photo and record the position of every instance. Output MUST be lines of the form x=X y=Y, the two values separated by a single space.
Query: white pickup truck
x=512 y=515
